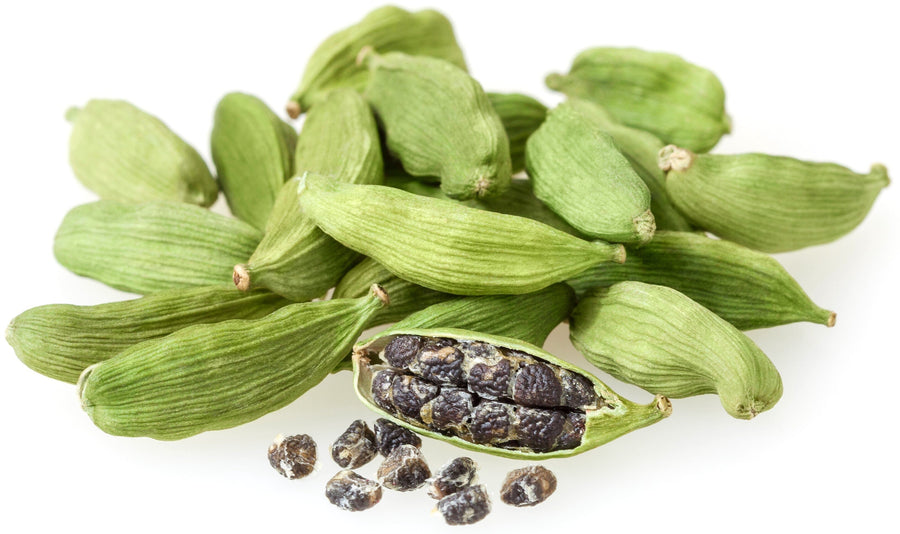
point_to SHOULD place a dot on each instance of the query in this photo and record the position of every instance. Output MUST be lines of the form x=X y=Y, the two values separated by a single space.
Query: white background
x=807 y=80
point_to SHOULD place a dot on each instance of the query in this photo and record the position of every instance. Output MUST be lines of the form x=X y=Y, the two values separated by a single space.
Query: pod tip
x=363 y=54
x=86 y=405
x=241 y=277
x=664 y=405
x=644 y=227
x=293 y=109
x=620 y=254
x=553 y=80
x=832 y=317
x=72 y=113
x=673 y=158
x=382 y=295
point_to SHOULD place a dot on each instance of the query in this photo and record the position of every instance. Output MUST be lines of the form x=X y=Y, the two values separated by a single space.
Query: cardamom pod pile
x=476 y=221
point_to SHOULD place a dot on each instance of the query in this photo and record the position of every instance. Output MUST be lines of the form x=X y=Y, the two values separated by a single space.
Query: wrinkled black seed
x=538 y=429
x=451 y=408
x=459 y=473
x=401 y=351
x=490 y=381
x=490 y=422
x=573 y=431
x=355 y=447
x=389 y=436
x=381 y=389
x=480 y=351
x=293 y=456
x=465 y=507
x=528 y=486
x=405 y=469
x=536 y=385
x=349 y=491
x=409 y=393
x=442 y=365
x=577 y=390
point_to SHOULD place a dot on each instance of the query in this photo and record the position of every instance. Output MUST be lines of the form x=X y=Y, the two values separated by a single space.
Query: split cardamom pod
x=579 y=172
x=521 y=115
x=439 y=122
x=216 y=376
x=388 y=29
x=492 y=394
x=143 y=248
x=445 y=246
x=747 y=288
x=123 y=153
x=660 y=340
x=295 y=259
x=61 y=340
x=641 y=148
x=254 y=153
x=677 y=101
x=769 y=203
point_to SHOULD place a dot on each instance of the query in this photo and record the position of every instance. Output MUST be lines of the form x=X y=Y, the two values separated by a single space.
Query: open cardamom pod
x=660 y=340
x=215 y=376
x=492 y=394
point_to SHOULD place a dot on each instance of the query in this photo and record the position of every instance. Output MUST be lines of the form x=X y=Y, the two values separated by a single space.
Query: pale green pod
x=521 y=115
x=527 y=432
x=406 y=297
x=769 y=203
x=254 y=152
x=660 y=340
x=677 y=101
x=123 y=153
x=388 y=29
x=579 y=172
x=61 y=340
x=143 y=248
x=438 y=121
x=446 y=246
x=641 y=148
x=519 y=200
x=747 y=288
x=211 y=377
x=296 y=259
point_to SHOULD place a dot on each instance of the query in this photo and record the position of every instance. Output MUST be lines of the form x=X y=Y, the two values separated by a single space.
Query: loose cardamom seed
x=439 y=122
x=521 y=115
x=211 y=377
x=61 y=340
x=660 y=340
x=143 y=248
x=253 y=151
x=123 y=153
x=769 y=203
x=677 y=101
x=296 y=259
x=748 y=289
x=388 y=29
x=642 y=150
x=445 y=246
x=579 y=172
x=492 y=394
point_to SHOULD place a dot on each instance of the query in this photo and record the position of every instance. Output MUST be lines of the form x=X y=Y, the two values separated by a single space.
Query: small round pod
x=505 y=428
x=662 y=341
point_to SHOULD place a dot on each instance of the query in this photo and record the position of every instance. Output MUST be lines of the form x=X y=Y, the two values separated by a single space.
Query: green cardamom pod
x=519 y=200
x=439 y=122
x=677 y=101
x=122 y=153
x=521 y=115
x=388 y=29
x=143 y=248
x=406 y=297
x=61 y=340
x=445 y=246
x=579 y=172
x=492 y=394
x=216 y=376
x=747 y=288
x=660 y=340
x=641 y=148
x=769 y=203
x=254 y=152
x=295 y=259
